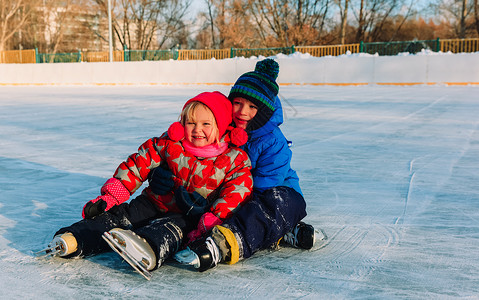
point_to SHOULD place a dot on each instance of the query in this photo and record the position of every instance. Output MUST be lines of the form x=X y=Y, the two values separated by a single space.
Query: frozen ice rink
x=391 y=174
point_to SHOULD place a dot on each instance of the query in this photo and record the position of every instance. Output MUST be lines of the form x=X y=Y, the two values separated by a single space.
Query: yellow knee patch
x=233 y=243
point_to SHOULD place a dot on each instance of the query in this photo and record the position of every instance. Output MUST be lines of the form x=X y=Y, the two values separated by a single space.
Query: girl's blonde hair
x=188 y=113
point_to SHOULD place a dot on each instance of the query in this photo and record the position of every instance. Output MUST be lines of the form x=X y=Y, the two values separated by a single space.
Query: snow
x=426 y=67
x=390 y=174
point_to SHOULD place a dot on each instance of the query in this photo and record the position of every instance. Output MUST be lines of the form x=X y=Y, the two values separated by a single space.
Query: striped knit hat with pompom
x=259 y=87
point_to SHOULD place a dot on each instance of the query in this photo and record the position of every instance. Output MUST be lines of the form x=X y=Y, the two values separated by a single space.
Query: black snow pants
x=139 y=215
x=266 y=218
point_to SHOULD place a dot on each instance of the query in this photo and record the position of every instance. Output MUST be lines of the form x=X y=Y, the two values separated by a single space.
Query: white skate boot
x=134 y=249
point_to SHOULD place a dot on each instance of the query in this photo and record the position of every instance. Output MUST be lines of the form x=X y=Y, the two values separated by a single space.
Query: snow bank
x=351 y=69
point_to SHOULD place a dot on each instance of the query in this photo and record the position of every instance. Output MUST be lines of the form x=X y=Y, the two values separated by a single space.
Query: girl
x=212 y=179
x=277 y=206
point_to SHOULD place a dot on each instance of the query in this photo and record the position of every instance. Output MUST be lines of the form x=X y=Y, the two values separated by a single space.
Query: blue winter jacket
x=270 y=155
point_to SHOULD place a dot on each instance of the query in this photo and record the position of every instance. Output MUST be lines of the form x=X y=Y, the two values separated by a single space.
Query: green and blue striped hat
x=259 y=86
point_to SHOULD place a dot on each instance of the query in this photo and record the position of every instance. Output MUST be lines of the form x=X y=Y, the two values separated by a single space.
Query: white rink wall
x=355 y=69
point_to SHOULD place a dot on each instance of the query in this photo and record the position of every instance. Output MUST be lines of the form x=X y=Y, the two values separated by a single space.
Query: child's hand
x=113 y=192
x=161 y=181
x=94 y=208
x=206 y=223
x=191 y=204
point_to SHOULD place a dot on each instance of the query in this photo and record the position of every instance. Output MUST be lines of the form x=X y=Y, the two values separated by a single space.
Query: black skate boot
x=202 y=255
x=301 y=236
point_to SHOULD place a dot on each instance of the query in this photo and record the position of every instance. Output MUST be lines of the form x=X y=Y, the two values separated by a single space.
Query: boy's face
x=243 y=111
x=201 y=131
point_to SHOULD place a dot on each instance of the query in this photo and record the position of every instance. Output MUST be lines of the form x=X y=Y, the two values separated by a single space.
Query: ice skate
x=202 y=256
x=61 y=245
x=301 y=236
x=134 y=249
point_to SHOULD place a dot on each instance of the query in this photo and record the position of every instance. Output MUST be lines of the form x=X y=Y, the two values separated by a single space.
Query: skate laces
x=291 y=236
x=213 y=248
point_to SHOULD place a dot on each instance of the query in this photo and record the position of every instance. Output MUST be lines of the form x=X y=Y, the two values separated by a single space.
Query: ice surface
x=390 y=173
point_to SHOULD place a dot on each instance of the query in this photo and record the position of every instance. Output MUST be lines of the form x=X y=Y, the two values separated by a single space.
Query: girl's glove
x=113 y=192
x=207 y=222
x=161 y=181
x=191 y=204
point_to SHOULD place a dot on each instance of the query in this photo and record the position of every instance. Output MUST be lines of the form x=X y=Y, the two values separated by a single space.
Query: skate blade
x=321 y=239
x=320 y=235
x=50 y=251
x=115 y=246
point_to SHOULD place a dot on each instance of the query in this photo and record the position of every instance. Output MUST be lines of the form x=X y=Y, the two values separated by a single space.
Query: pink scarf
x=206 y=151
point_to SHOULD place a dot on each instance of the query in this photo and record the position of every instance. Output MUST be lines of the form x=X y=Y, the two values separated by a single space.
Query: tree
x=228 y=24
x=14 y=15
x=458 y=14
x=372 y=15
x=462 y=26
x=476 y=15
x=286 y=22
x=216 y=22
x=343 y=13
x=145 y=24
x=55 y=19
x=396 y=23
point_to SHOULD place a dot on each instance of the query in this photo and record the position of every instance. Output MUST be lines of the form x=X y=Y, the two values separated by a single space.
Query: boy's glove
x=191 y=204
x=113 y=192
x=161 y=181
x=207 y=222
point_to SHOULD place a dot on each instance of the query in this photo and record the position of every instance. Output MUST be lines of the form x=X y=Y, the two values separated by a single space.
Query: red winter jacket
x=224 y=180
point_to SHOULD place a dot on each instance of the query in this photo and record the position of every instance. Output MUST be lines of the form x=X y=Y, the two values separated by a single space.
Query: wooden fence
x=204 y=54
x=31 y=56
x=18 y=57
x=333 y=50
x=459 y=45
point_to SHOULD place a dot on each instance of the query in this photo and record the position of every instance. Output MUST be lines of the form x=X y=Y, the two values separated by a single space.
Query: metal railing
x=381 y=48
x=102 y=56
x=149 y=55
x=394 y=48
x=58 y=57
x=246 y=52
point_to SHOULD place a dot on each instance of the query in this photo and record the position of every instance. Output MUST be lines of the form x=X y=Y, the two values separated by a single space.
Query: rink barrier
x=230 y=84
x=450 y=69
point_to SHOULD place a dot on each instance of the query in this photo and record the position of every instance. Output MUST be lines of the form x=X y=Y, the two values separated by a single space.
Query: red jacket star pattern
x=224 y=180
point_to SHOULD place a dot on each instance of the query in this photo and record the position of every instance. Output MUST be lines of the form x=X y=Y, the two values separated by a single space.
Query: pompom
x=238 y=136
x=269 y=67
x=176 y=132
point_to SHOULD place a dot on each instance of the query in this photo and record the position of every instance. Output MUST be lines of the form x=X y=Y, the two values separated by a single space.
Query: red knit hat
x=222 y=110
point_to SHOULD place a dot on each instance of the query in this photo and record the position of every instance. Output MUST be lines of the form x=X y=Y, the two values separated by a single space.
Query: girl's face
x=243 y=111
x=201 y=129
